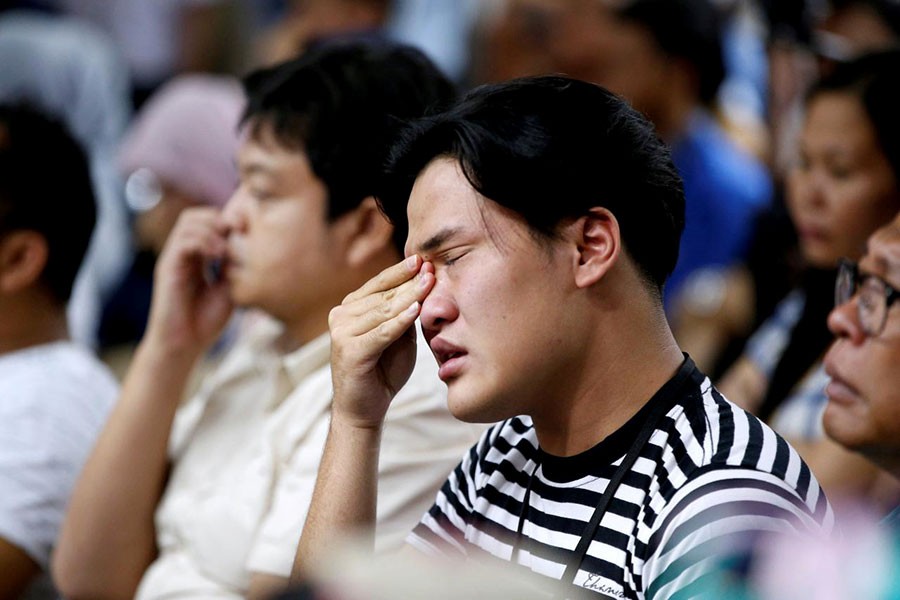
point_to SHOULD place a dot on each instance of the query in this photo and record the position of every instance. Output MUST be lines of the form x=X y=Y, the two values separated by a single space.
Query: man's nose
x=438 y=309
x=233 y=211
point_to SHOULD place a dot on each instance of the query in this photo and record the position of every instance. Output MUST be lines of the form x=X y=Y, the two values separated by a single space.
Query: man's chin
x=472 y=408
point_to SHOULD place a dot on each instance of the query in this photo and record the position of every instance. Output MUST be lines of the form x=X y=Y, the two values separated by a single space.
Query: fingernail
x=412 y=262
x=413 y=309
x=423 y=281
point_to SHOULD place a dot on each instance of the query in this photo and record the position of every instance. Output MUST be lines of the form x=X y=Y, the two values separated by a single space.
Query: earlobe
x=23 y=256
x=598 y=245
x=369 y=233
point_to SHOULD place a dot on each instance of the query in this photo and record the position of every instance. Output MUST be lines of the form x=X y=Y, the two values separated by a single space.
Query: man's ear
x=23 y=256
x=368 y=233
x=598 y=244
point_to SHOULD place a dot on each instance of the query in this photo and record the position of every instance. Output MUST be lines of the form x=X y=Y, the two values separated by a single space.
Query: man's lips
x=231 y=259
x=450 y=357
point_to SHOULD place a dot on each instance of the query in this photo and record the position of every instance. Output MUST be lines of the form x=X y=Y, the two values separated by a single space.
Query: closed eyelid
x=437 y=243
x=450 y=260
x=451 y=255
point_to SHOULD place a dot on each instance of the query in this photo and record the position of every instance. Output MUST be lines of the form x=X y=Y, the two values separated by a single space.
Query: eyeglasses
x=875 y=296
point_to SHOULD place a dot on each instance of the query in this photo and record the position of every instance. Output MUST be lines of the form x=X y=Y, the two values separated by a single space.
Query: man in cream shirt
x=209 y=499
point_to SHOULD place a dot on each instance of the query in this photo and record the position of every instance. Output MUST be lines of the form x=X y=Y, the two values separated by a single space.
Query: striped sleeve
x=754 y=485
x=715 y=519
x=761 y=449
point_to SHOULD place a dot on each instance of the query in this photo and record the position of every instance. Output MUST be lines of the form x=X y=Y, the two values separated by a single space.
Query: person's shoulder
x=721 y=164
x=724 y=435
x=742 y=452
x=58 y=370
x=61 y=394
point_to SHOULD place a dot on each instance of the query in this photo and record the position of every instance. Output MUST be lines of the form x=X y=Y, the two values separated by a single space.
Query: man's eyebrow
x=437 y=240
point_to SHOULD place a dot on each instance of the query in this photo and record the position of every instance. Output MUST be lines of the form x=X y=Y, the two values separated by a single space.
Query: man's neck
x=303 y=325
x=31 y=322
x=627 y=365
x=301 y=331
x=287 y=342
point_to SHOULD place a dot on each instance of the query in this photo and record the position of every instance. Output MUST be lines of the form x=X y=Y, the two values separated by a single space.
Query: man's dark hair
x=686 y=29
x=45 y=186
x=550 y=148
x=342 y=103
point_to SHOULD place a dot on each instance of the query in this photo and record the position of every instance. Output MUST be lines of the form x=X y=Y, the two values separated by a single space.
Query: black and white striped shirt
x=711 y=478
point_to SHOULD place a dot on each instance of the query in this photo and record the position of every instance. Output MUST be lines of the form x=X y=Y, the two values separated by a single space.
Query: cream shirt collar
x=309 y=357
x=259 y=351
x=262 y=341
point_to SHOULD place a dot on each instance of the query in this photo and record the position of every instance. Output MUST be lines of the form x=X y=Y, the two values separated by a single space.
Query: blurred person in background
x=862 y=414
x=208 y=497
x=55 y=393
x=72 y=71
x=308 y=21
x=844 y=186
x=863 y=409
x=160 y=39
x=177 y=153
x=442 y=29
x=439 y=28
x=806 y=38
x=849 y=28
x=666 y=58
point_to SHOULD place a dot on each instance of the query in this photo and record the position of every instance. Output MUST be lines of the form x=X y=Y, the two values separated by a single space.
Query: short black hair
x=45 y=186
x=342 y=103
x=687 y=29
x=550 y=148
x=873 y=79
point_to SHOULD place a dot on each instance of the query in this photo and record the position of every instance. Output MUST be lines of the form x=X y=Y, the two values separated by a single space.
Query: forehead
x=444 y=208
x=883 y=252
x=441 y=201
x=263 y=154
x=837 y=117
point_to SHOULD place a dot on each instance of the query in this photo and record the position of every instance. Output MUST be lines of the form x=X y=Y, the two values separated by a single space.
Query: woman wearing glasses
x=843 y=188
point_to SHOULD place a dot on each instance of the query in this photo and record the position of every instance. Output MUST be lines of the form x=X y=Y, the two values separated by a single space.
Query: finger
x=369 y=313
x=197 y=234
x=380 y=306
x=389 y=278
x=387 y=332
x=198 y=217
x=358 y=305
x=406 y=292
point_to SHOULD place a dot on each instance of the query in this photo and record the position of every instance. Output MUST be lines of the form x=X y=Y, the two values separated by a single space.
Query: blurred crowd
x=783 y=117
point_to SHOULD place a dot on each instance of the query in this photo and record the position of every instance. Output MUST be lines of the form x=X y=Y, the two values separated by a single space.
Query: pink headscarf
x=186 y=134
